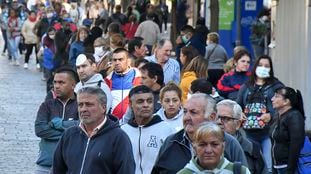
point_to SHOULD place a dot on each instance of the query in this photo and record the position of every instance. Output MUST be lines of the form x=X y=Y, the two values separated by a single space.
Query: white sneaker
x=17 y=63
x=38 y=66
x=26 y=65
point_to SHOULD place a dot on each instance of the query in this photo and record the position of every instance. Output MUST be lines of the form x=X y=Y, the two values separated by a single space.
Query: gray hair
x=208 y=129
x=161 y=42
x=235 y=107
x=209 y=103
x=101 y=95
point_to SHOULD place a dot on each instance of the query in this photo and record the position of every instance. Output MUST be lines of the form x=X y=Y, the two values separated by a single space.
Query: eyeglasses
x=225 y=119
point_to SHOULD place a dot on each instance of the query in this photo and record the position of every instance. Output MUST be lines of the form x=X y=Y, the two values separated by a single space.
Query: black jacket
x=109 y=151
x=287 y=138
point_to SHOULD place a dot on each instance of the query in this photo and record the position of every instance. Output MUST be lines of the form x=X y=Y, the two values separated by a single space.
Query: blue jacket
x=52 y=110
x=196 y=42
x=109 y=151
x=76 y=48
x=230 y=83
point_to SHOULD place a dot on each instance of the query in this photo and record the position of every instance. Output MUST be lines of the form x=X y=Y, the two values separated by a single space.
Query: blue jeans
x=266 y=147
x=281 y=171
x=13 y=47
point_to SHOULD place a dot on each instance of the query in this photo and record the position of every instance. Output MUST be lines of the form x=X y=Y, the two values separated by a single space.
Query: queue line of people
x=157 y=92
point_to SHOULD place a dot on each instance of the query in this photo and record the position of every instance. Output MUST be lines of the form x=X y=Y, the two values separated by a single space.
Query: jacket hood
x=108 y=126
x=161 y=113
x=94 y=79
x=196 y=168
x=155 y=119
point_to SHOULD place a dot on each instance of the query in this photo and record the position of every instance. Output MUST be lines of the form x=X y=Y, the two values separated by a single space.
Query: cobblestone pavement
x=21 y=92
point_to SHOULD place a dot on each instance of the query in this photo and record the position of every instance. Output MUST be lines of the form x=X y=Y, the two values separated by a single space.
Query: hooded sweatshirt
x=224 y=167
x=146 y=141
x=96 y=80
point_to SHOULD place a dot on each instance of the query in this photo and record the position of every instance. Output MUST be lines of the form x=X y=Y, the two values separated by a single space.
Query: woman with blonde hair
x=197 y=68
x=209 y=145
x=216 y=56
x=116 y=41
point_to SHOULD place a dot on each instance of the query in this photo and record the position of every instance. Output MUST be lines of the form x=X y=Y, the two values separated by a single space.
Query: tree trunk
x=173 y=23
x=214 y=7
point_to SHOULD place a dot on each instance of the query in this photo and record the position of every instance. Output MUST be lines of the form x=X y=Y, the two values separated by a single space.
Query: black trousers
x=29 y=51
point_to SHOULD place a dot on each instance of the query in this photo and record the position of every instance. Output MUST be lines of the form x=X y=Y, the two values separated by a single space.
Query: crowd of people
x=119 y=101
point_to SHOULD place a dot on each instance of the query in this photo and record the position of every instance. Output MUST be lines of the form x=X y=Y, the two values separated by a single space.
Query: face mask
x=52 y=37
x=99 y=51
x=49 y=15
x=262 y=72
x=184 y=39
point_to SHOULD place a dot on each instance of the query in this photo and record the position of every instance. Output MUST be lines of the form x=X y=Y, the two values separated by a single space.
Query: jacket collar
x=155 y=119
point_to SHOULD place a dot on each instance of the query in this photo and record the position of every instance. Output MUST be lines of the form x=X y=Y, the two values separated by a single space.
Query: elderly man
x=121 y=81
x=97 y=145
x=86 y=68
x=171 y=68
x=146 y=131
x=229 y=118
x=55 y=114
x=177 y=149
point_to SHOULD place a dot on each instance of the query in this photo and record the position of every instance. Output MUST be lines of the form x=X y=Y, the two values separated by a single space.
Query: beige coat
x=28 y=32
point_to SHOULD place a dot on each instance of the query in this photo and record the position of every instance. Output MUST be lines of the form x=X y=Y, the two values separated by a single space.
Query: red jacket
x=129 y=29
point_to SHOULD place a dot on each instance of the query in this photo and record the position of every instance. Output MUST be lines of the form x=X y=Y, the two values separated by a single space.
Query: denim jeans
x=281 y=171
x=42 y=170
x=13 y=47
x=266 y=147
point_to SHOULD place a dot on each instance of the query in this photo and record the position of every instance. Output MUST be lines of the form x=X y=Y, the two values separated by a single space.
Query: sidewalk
x=21 y=93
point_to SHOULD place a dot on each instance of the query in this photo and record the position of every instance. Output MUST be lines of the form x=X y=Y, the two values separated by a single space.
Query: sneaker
x=12 y=62
x=17 y=63
x=38 y=66
x=3 y=54
x=26 y=65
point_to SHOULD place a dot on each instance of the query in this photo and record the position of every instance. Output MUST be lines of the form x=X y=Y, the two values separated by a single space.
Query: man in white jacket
x=147 y=132
x=86 y=69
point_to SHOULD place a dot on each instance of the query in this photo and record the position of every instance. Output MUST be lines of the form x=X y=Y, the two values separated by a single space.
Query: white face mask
x=49 y=15
x=52 y=36
x=262 y=72
x=99 y=51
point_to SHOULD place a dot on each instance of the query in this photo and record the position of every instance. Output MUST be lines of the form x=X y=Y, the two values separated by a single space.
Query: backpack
x=304 y=160
x=256 y=105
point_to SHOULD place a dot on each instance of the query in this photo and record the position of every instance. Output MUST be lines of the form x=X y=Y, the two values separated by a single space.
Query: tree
x=173 y=23
x=214 y=8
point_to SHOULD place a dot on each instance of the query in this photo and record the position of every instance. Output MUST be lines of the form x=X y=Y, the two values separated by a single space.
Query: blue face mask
x=184 y=39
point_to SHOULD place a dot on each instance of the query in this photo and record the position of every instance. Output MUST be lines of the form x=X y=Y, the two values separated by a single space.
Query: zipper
x=273 y=147
x=122 y=102
x=64 y=108
x=139 y=151
x=84 y=156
